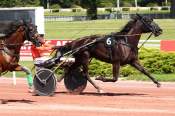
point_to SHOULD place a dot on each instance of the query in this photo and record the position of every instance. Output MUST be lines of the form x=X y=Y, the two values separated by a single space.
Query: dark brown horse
x=119 y=48
x=13 y=34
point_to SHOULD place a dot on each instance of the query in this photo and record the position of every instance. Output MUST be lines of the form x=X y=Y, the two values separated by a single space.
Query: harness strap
x=14 y=57
x=126 y=39
x=6 y=50
x=110 y=52
x=125 y=43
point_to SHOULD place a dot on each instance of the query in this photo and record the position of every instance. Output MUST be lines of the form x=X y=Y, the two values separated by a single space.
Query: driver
x=38 y=54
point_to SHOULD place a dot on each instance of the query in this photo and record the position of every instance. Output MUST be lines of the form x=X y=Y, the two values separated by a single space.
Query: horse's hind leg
x=115 y=71
x=138 y=66
x=85 y=70
x=99 y=90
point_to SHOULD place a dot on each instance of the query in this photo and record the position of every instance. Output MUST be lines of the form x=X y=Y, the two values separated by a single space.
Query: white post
x=136 y=3
x=14 y=78
x=118 y=4
x=166 y=2
x=48 y=4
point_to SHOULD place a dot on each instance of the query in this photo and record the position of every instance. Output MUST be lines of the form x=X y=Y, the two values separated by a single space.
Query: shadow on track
x=104 y=94
x=6 y=101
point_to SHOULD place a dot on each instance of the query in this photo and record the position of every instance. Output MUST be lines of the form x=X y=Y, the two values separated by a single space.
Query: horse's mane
x=8 y=27
x=127 y=27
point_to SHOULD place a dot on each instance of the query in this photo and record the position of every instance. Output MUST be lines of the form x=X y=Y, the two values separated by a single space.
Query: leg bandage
x=29 y=76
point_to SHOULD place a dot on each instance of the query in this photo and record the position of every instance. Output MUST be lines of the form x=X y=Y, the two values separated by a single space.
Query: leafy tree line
x=80 y=3
x=107 y=3
x=19 y=3
x=90 y=5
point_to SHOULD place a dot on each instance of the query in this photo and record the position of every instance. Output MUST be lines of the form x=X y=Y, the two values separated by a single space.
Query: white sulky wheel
x=44 y=82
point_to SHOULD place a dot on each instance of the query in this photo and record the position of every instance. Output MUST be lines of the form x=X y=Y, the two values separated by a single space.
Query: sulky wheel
x=74 y=81
x=44 y=82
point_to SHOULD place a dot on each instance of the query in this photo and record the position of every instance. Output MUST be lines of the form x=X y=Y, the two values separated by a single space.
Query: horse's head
x=31 y=34
x=148 y=25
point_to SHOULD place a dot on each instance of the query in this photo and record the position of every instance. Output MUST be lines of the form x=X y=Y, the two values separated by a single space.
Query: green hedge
x=152 y=59
x=158 y=62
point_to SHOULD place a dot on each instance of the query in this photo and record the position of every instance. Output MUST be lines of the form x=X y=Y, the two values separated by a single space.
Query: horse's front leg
x=28 y=73
x=139 y=67
x=115 y=71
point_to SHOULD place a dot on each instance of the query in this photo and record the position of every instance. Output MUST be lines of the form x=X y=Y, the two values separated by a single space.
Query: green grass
x=76 y=29
x=65 y=13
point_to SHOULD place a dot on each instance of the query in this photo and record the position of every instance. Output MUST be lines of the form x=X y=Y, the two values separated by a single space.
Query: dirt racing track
x=123 y=98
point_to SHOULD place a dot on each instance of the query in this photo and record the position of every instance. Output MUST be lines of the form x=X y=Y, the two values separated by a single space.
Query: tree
x=13 y=3
x=28 y=2
x=106 y=3
x=8 y=3
x=91 y=6
x=66 y=3
x=173 y=8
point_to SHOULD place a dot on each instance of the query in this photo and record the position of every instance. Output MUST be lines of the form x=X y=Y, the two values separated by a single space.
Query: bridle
x=153 y=30
x=147 y=26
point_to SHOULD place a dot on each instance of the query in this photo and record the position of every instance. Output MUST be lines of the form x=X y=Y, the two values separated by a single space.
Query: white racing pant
x=41 y=60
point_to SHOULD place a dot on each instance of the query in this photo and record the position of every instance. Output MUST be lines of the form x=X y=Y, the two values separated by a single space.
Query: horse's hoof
x=158 y=85
x=99 y=78
x=100 y=91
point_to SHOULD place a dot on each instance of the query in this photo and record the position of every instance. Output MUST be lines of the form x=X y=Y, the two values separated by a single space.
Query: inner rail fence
x=104 y=16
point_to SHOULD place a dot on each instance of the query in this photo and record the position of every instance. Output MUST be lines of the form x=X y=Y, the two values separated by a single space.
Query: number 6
x=108 y=41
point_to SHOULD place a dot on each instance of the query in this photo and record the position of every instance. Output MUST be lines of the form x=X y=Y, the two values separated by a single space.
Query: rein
x=79 y=48
x=146 y=40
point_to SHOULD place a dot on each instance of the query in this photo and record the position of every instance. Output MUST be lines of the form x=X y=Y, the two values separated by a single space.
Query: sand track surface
x=123 y=98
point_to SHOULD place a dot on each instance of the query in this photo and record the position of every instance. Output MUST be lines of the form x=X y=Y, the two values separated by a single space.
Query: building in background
x=34 y=14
